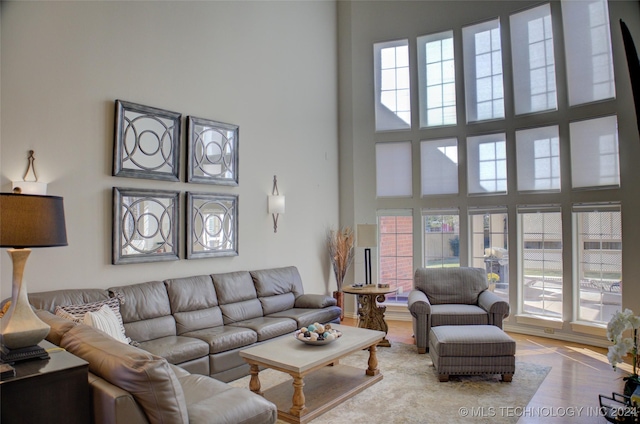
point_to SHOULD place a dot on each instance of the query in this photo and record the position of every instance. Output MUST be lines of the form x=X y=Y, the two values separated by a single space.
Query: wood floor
x=569 y=393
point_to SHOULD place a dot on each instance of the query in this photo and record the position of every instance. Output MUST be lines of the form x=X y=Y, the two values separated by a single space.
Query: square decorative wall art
x=212 y=152
x=147 y=142
x=145 y=225
x=212 y=225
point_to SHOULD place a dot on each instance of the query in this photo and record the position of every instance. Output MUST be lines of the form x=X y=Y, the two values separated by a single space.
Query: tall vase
x=339 y=297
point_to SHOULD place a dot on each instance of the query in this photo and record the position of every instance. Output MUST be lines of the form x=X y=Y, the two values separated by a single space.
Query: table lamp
x=367 y=238
x=26 y=221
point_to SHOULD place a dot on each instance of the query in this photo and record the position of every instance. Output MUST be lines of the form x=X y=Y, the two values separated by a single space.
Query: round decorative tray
x=300 y=336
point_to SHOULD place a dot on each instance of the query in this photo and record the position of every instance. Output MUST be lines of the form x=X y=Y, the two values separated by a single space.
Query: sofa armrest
x=418 y=303
x=314 y=301
x=497 y=308
x=112 y=405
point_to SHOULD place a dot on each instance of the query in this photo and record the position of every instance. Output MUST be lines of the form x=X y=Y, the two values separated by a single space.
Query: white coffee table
x=324 y=386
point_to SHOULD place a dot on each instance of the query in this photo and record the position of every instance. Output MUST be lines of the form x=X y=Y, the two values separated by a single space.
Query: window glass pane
x=587 y=43
x=483 y=71
x=541 y=273
x=594 y=152
x=487 y=169
x=599 y=264
x=396 y=253
x=439 y=166
x=441 y=239
x=538 y=158
x=393 y=169
x=392 y=85
x=533 y=60
x=489 y=249
x=436 y=68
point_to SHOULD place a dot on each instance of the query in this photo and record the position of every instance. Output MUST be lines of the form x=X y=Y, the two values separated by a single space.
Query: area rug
x=411 y=393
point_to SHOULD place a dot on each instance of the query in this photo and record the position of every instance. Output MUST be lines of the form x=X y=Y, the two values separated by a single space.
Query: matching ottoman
x=472 y=349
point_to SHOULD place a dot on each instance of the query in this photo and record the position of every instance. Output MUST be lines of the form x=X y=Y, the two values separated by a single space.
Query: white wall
x=269 y=67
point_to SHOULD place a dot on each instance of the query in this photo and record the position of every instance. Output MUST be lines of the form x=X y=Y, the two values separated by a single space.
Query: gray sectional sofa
x=196 y=326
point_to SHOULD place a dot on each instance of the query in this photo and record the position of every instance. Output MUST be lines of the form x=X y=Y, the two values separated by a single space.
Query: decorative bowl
x=304 y=335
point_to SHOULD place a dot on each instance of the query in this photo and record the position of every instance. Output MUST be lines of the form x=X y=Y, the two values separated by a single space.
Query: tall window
x=598 y=230
x=487 y=164
x=396 y=252
x=538 y=156
x=484 y=91
x=541 y=261
x=534 y=71
x=392 y=88
x=489 y=247
x=437 y=76
x=439 y=166
x=441 y=238
x=393 y=169
x=594 y=152
x=587 y=43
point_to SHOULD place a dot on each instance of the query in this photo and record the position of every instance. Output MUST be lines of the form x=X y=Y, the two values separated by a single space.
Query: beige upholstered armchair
x=452 y=296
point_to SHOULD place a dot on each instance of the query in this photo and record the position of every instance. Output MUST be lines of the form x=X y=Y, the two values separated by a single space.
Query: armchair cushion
x=451 y=285
x=454 y=314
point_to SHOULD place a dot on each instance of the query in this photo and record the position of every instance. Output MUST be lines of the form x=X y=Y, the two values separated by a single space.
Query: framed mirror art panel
x=212 y=152
x=147 y=142
x=145 y=225
x=212 y=225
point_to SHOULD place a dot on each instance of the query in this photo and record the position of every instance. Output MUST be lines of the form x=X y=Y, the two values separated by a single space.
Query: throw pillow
x=76 y=312
x=104 y=319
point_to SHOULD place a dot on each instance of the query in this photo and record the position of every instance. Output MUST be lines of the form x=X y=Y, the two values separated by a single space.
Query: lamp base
x=11 y=356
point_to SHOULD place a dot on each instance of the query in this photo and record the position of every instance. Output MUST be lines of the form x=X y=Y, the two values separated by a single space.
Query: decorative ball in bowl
x=317 y=334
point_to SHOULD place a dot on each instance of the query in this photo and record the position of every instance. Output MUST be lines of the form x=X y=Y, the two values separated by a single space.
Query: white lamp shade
x=367 y=235
x=30 y=187
x=276 y=204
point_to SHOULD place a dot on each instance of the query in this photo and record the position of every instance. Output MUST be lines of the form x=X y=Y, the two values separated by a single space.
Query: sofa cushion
x=221 y=339
x=232 y=287
x=277 y=303
x=143 y=303
x=147 y=377
x=241 y=311
x=77 y=312
x=274 y=281
x=315 y=301
x=191 y=293
x=453 y=314
x=105 y=320
x=49 y=300
x=176 y=349
x=205 y=395
x=268 y=328
x=59 y=326
x=197 y=320
x=305 y=317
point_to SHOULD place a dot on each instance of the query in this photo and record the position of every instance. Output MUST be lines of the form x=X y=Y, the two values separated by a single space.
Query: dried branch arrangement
x=340 y=243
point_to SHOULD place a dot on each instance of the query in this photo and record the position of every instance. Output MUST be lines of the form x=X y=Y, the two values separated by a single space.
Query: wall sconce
x=275 y=204
x=367 y=238
x=29 y=187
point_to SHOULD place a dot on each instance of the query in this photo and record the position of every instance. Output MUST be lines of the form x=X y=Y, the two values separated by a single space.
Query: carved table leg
x=298 y=409
x=373 y=361
x=372 y=315
x=254 y=383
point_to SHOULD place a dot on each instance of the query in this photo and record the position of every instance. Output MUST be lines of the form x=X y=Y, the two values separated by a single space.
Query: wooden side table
x=371 y=315
x=47 y=390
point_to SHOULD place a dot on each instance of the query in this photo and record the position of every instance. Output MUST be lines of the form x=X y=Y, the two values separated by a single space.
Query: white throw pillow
x=105 y=319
